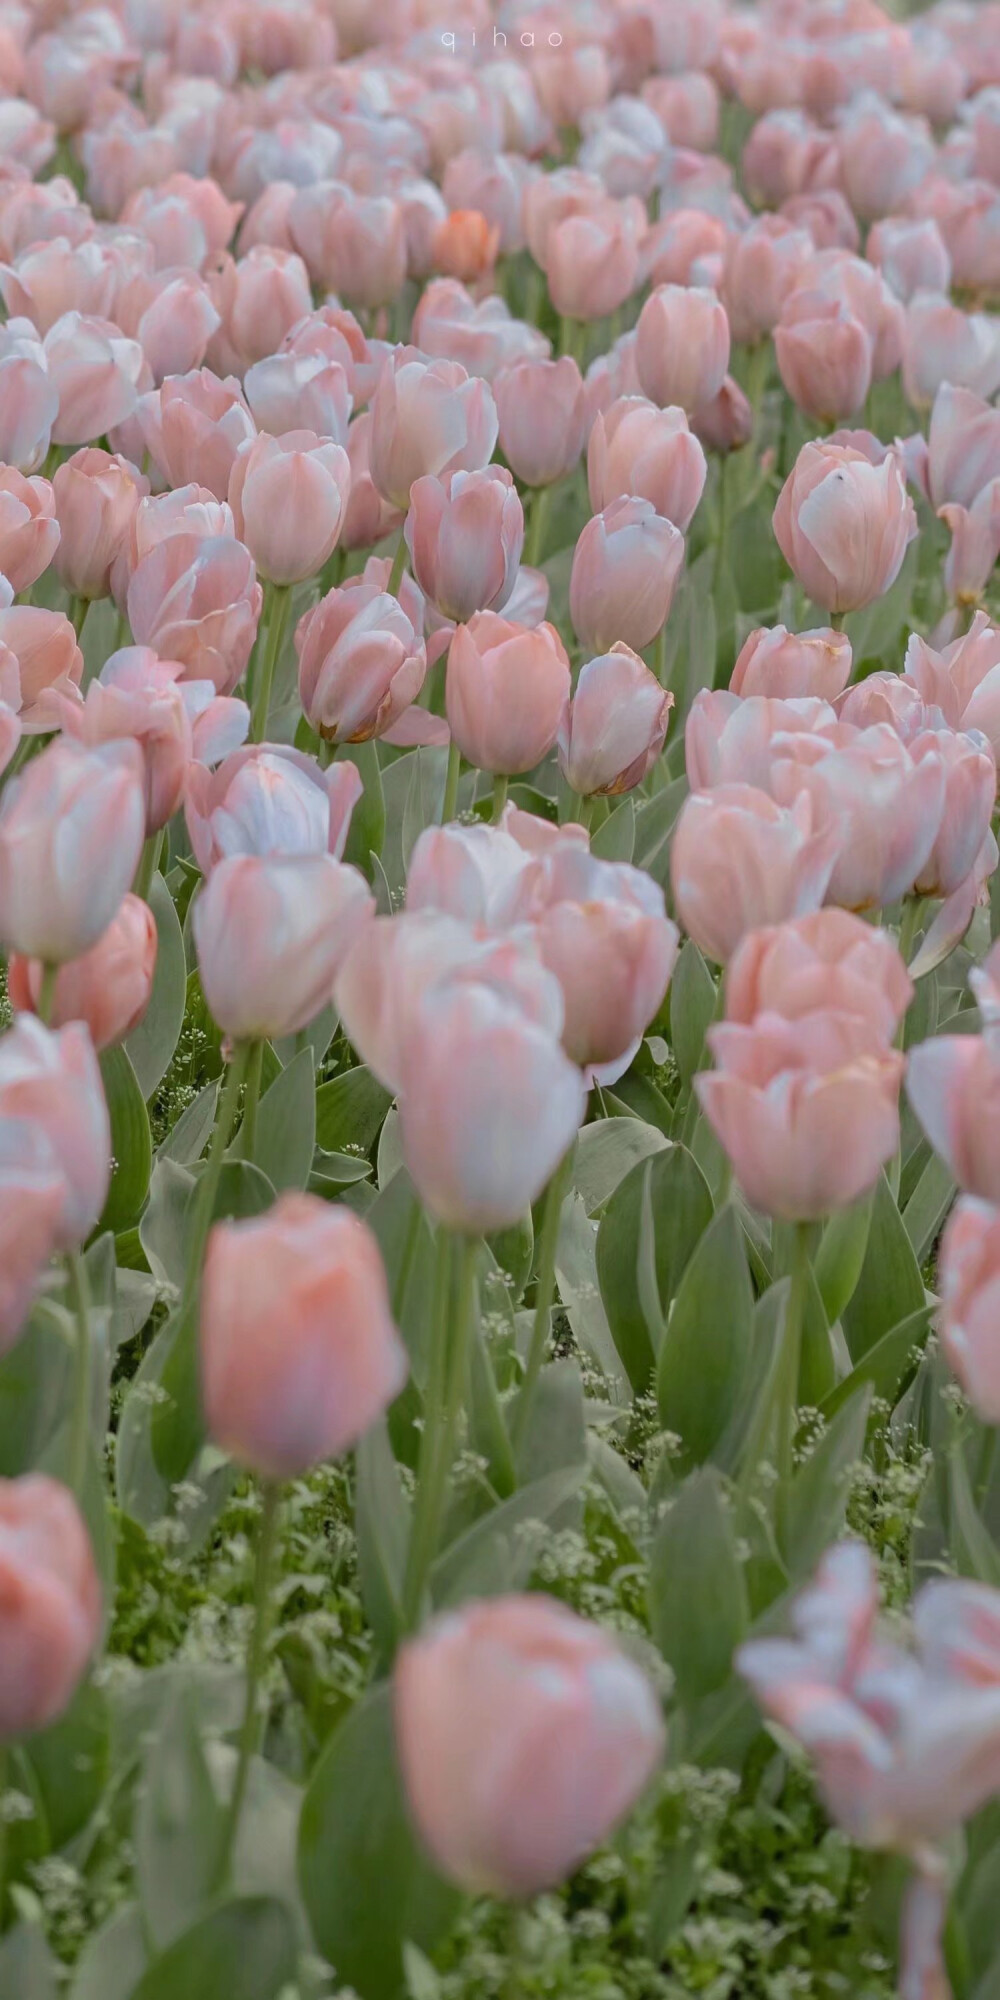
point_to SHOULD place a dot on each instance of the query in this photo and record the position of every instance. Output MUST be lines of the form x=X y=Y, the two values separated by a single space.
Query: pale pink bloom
x=197 y=601
x=910 y=255
x=288 y=496
x=762 y=265
x=785 y=155
x=687 y=105
x=299 y=392
x=51 y=1079
x=972 y=233
x=368 y=518
x=626 y=566
x=42 y=647
x=592 y=262
x=844 y=525
x=575 y=1734
x=493 y=183
x=505 y=692
x=465 y=533
x=851 y=285
x=727 y=422
x=299 y=1353
x=953 y=1082
x=108 y=987
x=271 y=932
x=682 y=346
x=56 y=276
x=187 y=510
x=550 y=198
x=96 y=373
x=975 y=544
x=29 y=531
x=428 y=417
x=824 y=356
x=963 y=447
x=571 y=81
x=828 y=959
x=882 y=156
x=739 y=861
x=941 y=343
x=636 y=448
x=542 y=416
x=31 y=1202
x=71 y=832
x=96 y=497
x=450 y=324
x=605 y=934
x=968 y=1269
x=962 y=680
x=680 y=245
x=25 y=138
x=886 y=798
x=186 y=219
x=173 y=317
x=29 y=399
x=52 y=1596
x=615 y=726
x=736 y=739
x=269 y=799
x=825 y=213
x=194 y=426
x=478 y=874
x=792 y=665
x=361 y=663
x=260 y=298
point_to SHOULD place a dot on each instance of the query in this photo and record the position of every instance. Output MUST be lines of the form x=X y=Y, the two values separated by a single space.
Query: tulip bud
x=32 y=1193
x=270 y=799
x=792 y=666
x=605 y=935
x=53 y=1081
x=72 y=826
x=29 y=531
x=288 y=497
x=738 y=861
x=829 y=958
x=506 y=689
x=682 y=346
x=843 y=524
x=361 y=663
x=465 y=534
x=541 y=409
x=271 y=933
x=953 y=1084
x=428 y=417
x=48 y=657
x=109 y=987
x=626 y=565
x=198 y=601
x=592 y=262
x=968 y=1263
x=824 y=356
x=299 y=1353
x=637 y=449
x=96 y=498
x=52 y=1601
x=194 y=427
x=96 y=374
x=615 y=726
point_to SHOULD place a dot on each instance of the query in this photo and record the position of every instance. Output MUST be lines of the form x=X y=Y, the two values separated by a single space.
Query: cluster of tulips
x=429 y=452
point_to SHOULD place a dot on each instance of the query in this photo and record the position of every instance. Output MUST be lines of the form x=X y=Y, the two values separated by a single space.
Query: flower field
x=499 y=1000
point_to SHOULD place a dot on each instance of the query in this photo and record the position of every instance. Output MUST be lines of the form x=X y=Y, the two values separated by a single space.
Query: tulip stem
x=450 y=805
x=78 y=609
x=837 y=621
x=280 y=595
x=500 y=787
x=791 y=1359
x=250 y=1728
x=721 y=526
x=76 y=1272
x=536 y=527
x=452 y=1313
x=398 y=566
x=248 y=1129
x=149 y=861
x=544 y=1292
x=4 y=1782
x=208 y=1186
x=583 y=812
x=47 y=993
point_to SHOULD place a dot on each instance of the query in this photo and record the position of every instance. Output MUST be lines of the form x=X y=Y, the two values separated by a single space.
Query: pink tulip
x=732 y=739
x=682 y=346
x=882 y=158
x=190 y=510
x=963 y=680
x=953 y=1083
x=449 y=324
x=299 y=1353
x=29 y=531
x=843 y=525
x=299 y=392
x=493 y=184
x=910 y=255
x=140 y=696
x=428 y=417
x=108 y=988
x=54 y=277
x=478 y=874
x=264 y=295
x=194 y=426
x=29 y=399
x=828 y=959
x=181 y=199
x=792 y=665
x=687 y=106
x=43 y=644
x=52 y=1597
x=542 y=416
x=96 y=497
x=727 y=422
x=849 y=284
x=96 y=373
x=288 y=497
x=739 y=861
x=762 y=265
x=963 y=446
x=941 y=343
x=824 y=357
x=967 y=1265
x=198 y=602
x=355 y=245
x=269 y=799
x=886 y=799
x=368 y=518
x=271 y=934
x=573 y=1722
x=605 y=935
x=32 y=1192
x=71 y=832
x=970 y=787
x=505 y=692
x=361 y=663
x=173 y=317
x=626 y=565
x=488 y=1105
x=638 y=449
x=52 y=1080
x=975 y=544
x=592 y=262
x=465 y=533
x=615 y=726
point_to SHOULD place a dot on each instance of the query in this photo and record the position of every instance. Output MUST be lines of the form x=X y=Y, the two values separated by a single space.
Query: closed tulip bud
x=963 y=447
x=71 y=831
x=637 y=449
x=682 y=346
x=953 y=1083
x=361 y=663
x=792 y=665
x=269 y=799
x=969 y=1274
x=910 y=255
x=592 y=262
x=299 y=392
x=824 y=357
x=52 y=1080
x=199 y=602
x=465 y=533
x=606 y=936
x=963 y=680
x=299 y=1353
x=970 y=787
x=844 y=525
x=465 y=245
x=353 y=244
x=762 y=264
x=541 y=407
x=726 y=423
x=194 y=426
x=488 y=1105
x=506 y=689
x=270 y=292
x=574 y=1724
x=96 y=373
x=52 y=1600
x=108 y=988
x=827 y=959
x=32 y=1193
x=96 y=498
x=190 y=510
x=615 y=726
x=626 y=565
x=29 y=531
x=288 y=497
x=271 y=933
x=739 y=861
x=428 y=417
x=172 y=720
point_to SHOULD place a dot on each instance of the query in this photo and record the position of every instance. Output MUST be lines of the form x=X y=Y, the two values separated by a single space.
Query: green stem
x=248 y=1130
x=453 y=1311
x=149 y=861
x=544 y=1293
x=571 y=336
x=280 y=596
x=398 y=566
x=583 y=810
x=837 y=620
x=4 y=1835
x=250 y=1730
x=406 y=1262
x=450 y=805
x=47 y=993
x=501 y=785
x=758 y=371
x=208 y=1186
x=791 y=1357
x=76 y=1272
x=78 y=609
x=535 y=542
x=722 y=524
x=909 y=926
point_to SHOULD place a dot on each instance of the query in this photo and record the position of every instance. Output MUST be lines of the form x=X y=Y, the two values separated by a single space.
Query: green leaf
x=840 y=1257
x=692 y=1009
x=151 y=1045
x=131 y=1145
x=286 y=1125
x=697 y=1596
x=187 y=1140
x=615 y=840
x=70 y=1762
x=576 y=1273
x=178 y=1825
x=367 y=833
x=27 y=1967
x=884 y=1365
x=557 y=1433
x=606 y=1152
x=243 y=1950
x=704 y=1359
x=975 y=1552
x=163 y=1231
x=365 y=1882
x=654 y=823
x=500 y=1550
x=925 y=1212
x=349 y=1111
x=114 y=1959
x=667 y=1196
x=34 y=1388
x=382 y=1522
x=890 y=1287
x=821 y=1487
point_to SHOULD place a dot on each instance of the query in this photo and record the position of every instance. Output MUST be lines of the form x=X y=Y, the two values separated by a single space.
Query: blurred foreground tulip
x=52 y=1603
x=52 y=1080
x=739 y=861
x=843 y=525
x=71 y=831
x=271 y=933
x=108 y=988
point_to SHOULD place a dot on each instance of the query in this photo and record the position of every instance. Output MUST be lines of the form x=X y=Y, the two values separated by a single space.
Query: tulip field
x=499 y=1000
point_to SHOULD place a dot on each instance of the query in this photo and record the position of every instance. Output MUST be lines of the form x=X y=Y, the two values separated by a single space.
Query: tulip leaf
x=151 y=1045
x=697 y=1596
x=178 y=1824
x=186 y=1141
x=349 y=1112
x=840 y=1257
x=114 y=1959
x=692 y=1009
x=500 y=1550
x=650 y=1228
x=163 y=1231
x=576 y=1272
x=366 y=837
x=885 y=1365
x=890 y=1287
x=975 y=1552
x=285 y=1139
x=821 y=1487
x=27 y=1967
x=366 y=1886
x=928 y=1206
x=70 y=1762
x=382 y=1522
x=705 y=1354
x=655 y=820
x=606 y=1151
x=131 y=1145
x=244 y=1949
x=34 y=1388
x=615 y=840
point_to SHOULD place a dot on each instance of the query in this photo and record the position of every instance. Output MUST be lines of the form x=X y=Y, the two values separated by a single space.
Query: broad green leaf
x=975 y=1552
x=382 y=1523
x=668 y=1193
x=697 y=1597
x=349 y=1111
x=286 y=1125
x=890 y=1287
x=841 y=1255
x=35 y=1379
x=367 y=832
x=178 y=1825
x=704 y=1360
x=27 y=1968
x=113 y=1960
x=821 y=1487
x=163 y=1231
x=655 y=820
x=131 y=1146
x=925 y=1212
x=151 y=1045
x=243 y=1950
x=70 y=1762
x=499 y=1552
x=615 y=840
x=187 y=1140
x=606 y=1151
x=885 y=1365
x=556 y=1434
x=692 y=1009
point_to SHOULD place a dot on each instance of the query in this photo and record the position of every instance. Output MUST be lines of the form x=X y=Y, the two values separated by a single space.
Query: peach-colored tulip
x=29 y=531
x=52 y=1080
x=506 y=689
x=792 y=665
x=828 y=959
x=31 y=1202
x=465 y=533
x=96 y=497
x=605 y=935
x=975 y=544
x=71 y=832
x=29 y=399
x=843 y=525
x=807 y=1110
x=361 y=663
x=682 y=346
x=626 y=565
x=739 y=739
x=108 y=987
x=493 y=185
x=52 y=1600
x=288 y=497
x=941 y=343
x=615 y=726
x=299 y=392
x=172 y=720
x=970 y=787
x=269 y=799
x=355 y=245
x=762 y=265
x=96 y=373
x=910 y=255
x=194 y=426
x=953 y=1083
x=488 y=1105
x=198 y=602
x=968 y=1265
x=886 y=798
x=962 y=680
x=727 y=422
x=542 y=415
x=271 y=933
x=428 y=417
x=299 y=1353
x=739 y=861
x=963 y=446
x=592 y=262
x=573 y=1723
x=465 y=245
x=43 y=643
x=636 y=448
x=824 y=356
x=476 y=873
